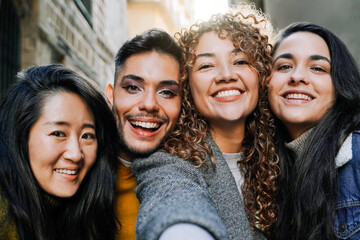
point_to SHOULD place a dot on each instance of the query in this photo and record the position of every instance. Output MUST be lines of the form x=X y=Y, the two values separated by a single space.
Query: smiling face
x=301 y=90
x=62 y=144
x=223 y=84
x=145 y=101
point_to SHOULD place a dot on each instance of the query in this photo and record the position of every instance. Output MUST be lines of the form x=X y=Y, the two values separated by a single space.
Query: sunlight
x=205 y=8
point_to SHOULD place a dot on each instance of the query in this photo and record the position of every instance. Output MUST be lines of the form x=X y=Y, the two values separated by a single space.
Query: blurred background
x=86 y=34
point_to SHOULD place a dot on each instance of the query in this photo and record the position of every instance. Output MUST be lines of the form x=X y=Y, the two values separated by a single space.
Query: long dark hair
x=308 y=186
x=89 y=213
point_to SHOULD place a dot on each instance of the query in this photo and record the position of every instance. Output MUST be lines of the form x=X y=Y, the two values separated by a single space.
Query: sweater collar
x=343 y=156
x=297 y=145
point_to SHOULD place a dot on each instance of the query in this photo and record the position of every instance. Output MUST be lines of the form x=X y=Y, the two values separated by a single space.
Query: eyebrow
x=133 y=77
x=285 y=55
x=205 y=55
x=169 y=82
x=212 y=54
x=140 y=79
x=312 y=57
x=319 y=57
x=62 y=123
x=236 y=50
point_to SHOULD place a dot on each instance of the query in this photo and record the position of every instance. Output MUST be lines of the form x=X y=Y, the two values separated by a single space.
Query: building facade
x=82 y=34
x=169 y=15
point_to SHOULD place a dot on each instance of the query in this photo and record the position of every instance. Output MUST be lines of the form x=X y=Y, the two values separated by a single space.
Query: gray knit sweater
x=172 y=190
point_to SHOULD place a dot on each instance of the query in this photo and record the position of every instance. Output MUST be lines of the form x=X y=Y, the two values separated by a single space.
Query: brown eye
x=88 y=136
x=205 y=66
x=241 y=62
x=58 y=134
x=284 y=67
x=132 y=88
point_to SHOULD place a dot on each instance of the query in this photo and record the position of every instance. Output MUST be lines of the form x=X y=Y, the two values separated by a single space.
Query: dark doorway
x=9 y=44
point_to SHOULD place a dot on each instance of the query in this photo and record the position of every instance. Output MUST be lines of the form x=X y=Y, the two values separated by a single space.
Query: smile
x=152 y=126
x=67 y=171
x=227 y=93
x=298 y=96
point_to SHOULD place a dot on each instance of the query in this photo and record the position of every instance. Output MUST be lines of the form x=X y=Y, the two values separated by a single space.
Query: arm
x=172 y=191
x=187 y=231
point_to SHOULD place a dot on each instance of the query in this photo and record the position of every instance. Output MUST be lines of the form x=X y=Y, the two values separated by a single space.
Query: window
x=10 y=35
x=85 y=9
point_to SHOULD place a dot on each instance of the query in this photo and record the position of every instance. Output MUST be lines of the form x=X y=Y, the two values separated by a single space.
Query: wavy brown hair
x=249 y=31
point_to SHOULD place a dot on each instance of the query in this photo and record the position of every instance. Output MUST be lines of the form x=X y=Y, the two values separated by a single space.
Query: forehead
x=64 y=105
x=211 y=42
x=303 y=44
x=151 y=67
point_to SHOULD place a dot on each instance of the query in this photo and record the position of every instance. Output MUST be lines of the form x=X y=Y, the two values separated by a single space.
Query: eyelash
x=241 y=62
x=62 y=134
x=318 y=69
x=283 y=67
x=58 y=134
x=88 y=136
x=168 y=93
x=204 y=66
x=131 y=88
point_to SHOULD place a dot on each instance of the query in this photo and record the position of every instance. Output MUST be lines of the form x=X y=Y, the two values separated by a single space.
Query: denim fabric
x=347 y=215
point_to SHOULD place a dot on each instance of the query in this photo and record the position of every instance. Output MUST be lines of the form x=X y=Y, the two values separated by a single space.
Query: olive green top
x=7 y=226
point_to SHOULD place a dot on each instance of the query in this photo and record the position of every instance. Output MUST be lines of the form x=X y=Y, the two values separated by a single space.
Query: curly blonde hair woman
x=225 y=132
x=249 y=30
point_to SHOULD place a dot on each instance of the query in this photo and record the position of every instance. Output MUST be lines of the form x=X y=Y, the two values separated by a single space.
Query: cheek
x=91 y=154
x=172 y=109
x=198 y=93
x=199 y=83
x=273 y=91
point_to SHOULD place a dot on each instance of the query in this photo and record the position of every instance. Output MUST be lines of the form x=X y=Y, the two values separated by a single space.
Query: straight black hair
x=89 y=214
x=308 y=187
x=151 y=40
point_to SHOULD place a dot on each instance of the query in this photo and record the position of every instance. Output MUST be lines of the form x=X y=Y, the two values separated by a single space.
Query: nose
x=149 y=103
x=225 y=74
x=298 y=75
x=73 y=150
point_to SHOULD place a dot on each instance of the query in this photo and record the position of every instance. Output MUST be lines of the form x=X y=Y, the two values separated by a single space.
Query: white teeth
x=298 y=96
x=66 y=171
x=227 y=93
x=146 y=124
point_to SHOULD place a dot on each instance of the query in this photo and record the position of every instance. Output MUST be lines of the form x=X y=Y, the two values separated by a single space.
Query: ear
x=109 y=95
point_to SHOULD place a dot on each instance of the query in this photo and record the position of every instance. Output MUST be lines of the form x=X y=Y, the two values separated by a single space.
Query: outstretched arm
x=172 y=191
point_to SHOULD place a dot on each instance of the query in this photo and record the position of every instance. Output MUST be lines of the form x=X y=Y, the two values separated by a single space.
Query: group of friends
x=224 y=132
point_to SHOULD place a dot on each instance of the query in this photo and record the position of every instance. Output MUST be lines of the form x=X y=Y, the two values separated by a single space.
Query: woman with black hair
x=58 y=159
x=314 y=92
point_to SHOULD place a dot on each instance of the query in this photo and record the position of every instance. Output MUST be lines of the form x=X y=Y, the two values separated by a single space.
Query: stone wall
x=57 y=31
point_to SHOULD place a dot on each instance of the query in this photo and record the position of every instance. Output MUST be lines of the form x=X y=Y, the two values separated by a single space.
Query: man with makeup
x=145 y=99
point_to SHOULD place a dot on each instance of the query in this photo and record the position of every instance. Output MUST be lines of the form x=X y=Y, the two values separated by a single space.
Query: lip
x=229 y=94
x=65 y=175
x=298 y=97
x=145 y=123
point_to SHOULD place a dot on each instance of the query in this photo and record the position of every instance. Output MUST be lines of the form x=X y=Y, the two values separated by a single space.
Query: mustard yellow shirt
x=127 y=205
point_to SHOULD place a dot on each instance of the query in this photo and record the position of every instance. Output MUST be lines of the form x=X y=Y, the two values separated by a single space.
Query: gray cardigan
x=172 y=190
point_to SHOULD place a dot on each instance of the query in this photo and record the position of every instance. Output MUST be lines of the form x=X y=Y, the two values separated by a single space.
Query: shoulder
x=159 y=159
x=161 y=165
x=7 y=227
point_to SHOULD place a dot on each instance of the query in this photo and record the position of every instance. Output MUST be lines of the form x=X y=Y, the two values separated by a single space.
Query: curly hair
x=249 y=30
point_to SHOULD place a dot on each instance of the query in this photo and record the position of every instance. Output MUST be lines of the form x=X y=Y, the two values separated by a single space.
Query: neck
x=228 y=138
x=297 y=131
